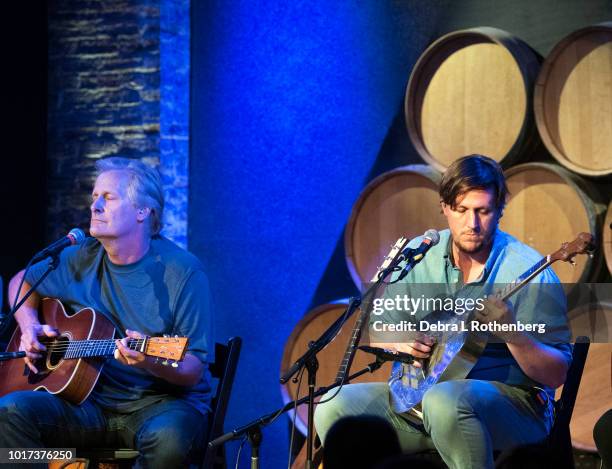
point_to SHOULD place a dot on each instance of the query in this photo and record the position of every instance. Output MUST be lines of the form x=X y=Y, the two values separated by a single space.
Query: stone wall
x=105 y=90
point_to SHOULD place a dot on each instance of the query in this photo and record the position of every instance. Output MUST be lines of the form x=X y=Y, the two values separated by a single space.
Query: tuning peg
x=166 y=336
x=176 y=336
x=165 y=363
x=174 y=365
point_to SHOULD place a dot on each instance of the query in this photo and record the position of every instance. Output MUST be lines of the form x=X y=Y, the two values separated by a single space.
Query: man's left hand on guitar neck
x=188 y=373
x=496 y=311
x=541 y=362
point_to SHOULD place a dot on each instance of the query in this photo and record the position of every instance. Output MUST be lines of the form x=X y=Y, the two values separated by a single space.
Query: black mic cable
x=387 y=355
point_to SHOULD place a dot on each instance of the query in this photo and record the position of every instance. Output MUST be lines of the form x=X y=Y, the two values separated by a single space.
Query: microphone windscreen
x=76 y=235
x=433 y=235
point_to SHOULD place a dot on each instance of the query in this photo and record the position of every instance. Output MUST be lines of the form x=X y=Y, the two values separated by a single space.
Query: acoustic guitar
x=73 y=361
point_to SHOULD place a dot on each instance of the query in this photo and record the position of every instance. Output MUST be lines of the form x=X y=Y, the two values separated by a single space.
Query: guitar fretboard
x=90 y=348
x=345 y=365
x=525 y=277
x=355 y=336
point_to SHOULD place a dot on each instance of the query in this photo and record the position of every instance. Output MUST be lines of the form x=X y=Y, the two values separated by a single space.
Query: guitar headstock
x=396 y=250
x=169 y=348
x=583 y=244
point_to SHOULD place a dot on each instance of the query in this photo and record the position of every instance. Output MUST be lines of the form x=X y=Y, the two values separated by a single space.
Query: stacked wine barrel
x=485 y=91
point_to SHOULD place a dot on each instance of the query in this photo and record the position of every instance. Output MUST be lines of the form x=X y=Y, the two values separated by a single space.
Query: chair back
x=560 y=438
x=224 y=368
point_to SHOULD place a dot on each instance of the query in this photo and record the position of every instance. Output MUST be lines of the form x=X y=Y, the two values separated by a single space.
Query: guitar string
x=102 y=345
x=62 y=345
x=84 y=348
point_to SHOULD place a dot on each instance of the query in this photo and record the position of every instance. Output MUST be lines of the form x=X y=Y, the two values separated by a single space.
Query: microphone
x=75 y=236
x=4 y=356
x=386 y=355
x=413 y=256
x=430 y=238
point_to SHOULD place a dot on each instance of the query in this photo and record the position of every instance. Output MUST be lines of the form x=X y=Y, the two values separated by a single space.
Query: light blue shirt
x=542 y=301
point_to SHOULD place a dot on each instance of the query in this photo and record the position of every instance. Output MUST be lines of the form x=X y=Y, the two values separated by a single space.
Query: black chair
x=224 y=369
x=559 y=439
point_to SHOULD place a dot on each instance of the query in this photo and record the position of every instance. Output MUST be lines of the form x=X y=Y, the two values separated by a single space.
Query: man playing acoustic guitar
x=507 y=397
x=146 y=285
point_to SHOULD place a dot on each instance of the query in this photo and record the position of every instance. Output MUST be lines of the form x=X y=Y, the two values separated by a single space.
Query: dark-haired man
x=506 y=399
x=148 y=286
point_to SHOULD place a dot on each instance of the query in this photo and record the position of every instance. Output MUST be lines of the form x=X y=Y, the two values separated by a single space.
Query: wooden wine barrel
x=310 y=328
x=573 y=101
x=595 y=391
x=471 y=92
x=401 y=202
x=607 y=237
x=548 y=205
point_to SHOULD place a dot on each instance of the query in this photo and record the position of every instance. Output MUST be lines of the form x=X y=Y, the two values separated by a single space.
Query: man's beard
x=473 y=248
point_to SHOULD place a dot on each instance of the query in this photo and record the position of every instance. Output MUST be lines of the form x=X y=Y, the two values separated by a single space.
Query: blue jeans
x=170 y=433
x=466 y=420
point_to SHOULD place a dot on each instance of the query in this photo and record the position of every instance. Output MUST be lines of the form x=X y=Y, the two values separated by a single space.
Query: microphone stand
x=309 y=360
x=253 y=429
x=53 y=264
x=411 y=261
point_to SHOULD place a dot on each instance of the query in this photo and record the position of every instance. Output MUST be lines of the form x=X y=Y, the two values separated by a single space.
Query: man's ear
x=444 y=208
x=143 y=213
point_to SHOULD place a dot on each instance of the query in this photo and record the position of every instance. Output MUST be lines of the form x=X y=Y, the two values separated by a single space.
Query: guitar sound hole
x=56 y=351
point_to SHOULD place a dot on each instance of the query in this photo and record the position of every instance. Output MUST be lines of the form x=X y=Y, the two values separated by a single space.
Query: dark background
x=24 y=128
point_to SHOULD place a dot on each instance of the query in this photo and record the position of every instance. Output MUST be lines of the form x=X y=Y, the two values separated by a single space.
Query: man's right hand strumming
x=30 y=333
x=420 y=348
x=27 y=318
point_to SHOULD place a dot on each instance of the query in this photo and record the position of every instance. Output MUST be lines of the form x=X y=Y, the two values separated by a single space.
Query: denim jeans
x=170 y=433
x=465 y=420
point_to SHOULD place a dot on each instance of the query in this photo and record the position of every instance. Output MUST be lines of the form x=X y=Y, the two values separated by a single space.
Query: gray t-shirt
x=165 y=292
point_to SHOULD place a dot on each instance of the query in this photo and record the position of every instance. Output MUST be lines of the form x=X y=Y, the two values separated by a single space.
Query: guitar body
x=72 y=380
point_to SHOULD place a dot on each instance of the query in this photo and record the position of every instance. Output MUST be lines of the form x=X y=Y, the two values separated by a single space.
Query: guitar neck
x=74 y=349
x=349 y=353
x=524 y=278
x=583 y=244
